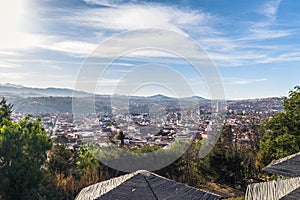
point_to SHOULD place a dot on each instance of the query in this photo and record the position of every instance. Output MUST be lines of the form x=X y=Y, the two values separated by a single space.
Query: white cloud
x=130 y=40
x=241 y=81
x=8 y=77
x=18 y=40
x=56 y=67
x=12 y=21
x=8 y=53
x=150 y=43
x=223 y=49
x=266 y=29
x=130 y=16
x=104 y=2
x=9 y=65
x=76 y=48
x=259 y=33
x=285 y=57
x=270 y=9
x=108 y=82
x=237 y=58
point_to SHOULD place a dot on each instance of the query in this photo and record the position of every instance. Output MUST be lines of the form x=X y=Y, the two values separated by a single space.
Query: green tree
x=62 y=161
x=186 y=168
x=5 y=110
x=282 y=132
x=120 y=136
x=85 y=159
x=23 y=147
x=70 y=171
x=224 y=163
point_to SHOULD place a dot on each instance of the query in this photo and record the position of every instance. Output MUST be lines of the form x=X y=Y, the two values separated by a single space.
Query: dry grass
x=224 y=191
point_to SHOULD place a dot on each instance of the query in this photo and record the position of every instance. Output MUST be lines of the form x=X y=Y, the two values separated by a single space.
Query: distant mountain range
x=61 y=100
x=12 y=90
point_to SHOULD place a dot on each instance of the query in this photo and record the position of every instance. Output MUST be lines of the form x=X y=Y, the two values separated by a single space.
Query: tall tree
x=224 y=164
x=120 y=136
x=282 y=132
x=5 y=110
x=62 y=161
x=23 y=147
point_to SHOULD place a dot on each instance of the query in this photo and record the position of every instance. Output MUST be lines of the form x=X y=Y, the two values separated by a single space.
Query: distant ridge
x=21 y=91
x=60 y=100
x=12 y=85
x=13 y=90
x=160 y=96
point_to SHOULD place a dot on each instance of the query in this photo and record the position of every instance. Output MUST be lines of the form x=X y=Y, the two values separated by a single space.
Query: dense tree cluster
x=282 y=132
x=26 y=172
x=23 y=147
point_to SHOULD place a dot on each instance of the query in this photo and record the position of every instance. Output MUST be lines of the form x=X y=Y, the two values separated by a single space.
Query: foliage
x=281 y=132
x=146 y=149
x=224 y=163
x=23 y=148
x=5 y=110
x=120 y=136
x=186 y=168
x=70 y=171
x=61 y=161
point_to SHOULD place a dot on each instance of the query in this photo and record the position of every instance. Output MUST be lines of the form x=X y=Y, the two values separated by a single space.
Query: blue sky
x=255 y=45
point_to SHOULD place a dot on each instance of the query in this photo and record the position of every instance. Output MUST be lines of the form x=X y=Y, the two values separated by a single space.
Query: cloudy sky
x=255 y=45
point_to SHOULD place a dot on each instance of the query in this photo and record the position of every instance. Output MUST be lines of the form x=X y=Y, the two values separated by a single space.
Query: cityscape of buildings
x=160 y=125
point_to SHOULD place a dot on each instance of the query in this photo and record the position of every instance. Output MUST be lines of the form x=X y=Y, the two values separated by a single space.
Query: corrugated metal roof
x=295 y=195
x=288 y=166
x=143 y=185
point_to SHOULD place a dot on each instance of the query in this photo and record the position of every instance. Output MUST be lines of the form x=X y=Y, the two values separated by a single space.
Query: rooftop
x=143 y=185
x=288 y=166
